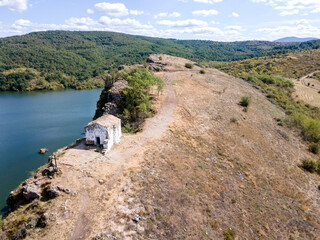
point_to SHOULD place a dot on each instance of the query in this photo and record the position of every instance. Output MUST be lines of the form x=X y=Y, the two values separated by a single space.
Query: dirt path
x=309 y=94
x=304 y=78
x=82 y=169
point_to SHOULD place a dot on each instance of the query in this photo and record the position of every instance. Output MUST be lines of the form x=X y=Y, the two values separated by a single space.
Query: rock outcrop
x=155 y=65
x=43 y=150
x=111 y=96
x=30 y=192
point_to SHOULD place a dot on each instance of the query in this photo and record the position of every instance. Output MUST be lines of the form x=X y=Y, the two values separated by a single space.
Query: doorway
x=98 y=141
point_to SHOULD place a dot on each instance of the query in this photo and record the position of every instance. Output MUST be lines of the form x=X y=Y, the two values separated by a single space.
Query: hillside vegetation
x=201 y=168
x=269 y=75
x=62 y=59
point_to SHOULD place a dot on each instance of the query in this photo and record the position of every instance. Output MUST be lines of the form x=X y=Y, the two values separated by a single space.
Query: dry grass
x=206 y=175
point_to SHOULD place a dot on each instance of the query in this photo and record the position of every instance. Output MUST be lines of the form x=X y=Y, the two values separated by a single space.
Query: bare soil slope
x=200 y=167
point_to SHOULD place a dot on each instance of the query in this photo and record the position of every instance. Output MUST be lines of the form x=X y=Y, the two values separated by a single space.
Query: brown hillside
x=201 y=166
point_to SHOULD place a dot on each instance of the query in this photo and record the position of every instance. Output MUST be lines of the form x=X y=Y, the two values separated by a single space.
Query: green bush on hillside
x=1 y=223
x=188 y=65
x=137 y=105
x=229 y=234
x=311 y=166
x=314 y=147
x=309 y=125
x=245 y=101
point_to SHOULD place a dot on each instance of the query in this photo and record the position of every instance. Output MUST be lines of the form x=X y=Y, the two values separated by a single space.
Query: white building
x=105 y=131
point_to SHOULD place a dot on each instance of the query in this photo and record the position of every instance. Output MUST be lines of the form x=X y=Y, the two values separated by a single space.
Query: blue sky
x=218 y=20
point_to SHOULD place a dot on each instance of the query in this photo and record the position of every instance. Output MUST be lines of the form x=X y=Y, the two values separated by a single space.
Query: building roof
x=106 y=120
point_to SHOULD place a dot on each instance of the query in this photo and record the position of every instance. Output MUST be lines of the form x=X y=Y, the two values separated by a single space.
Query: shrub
x=202 y=71
x=188 y=65
x=1 y=222
x=233 y=120
x=229 y=234
x=136 y=105
x=283 y=134
x=310 y=127
x=128 y=128
x=314 y=148
x=245 y=101
x=309 y=165
x=318 y=166
x=160 y=58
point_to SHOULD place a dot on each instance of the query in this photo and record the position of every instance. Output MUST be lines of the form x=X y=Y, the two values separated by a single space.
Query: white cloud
x=90 y=11
x=165 y=14
x=291 y=6
x=234 y=27
x=160 y=15
x=302 y=21
x=112 y=9
x=15 y=5
x=20 y=24
x=316 y=10
x=174 y=15
x=289 y=13
x=208 y=1
x=300 y=28
x=205 y=13
x=105 y=23
x=116 y=9
x=125 y=23
x=203 y=30
x=81 y=21
x=183 y=23
x=23 y=22
x=136 y=12
x=234 y=14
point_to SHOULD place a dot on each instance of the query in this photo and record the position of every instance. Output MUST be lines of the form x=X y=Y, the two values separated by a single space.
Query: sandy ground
x=309 y=94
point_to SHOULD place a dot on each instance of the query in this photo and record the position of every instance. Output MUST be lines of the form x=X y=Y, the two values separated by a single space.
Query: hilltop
x=62 y=59
x=295 y=39
x=202 y=168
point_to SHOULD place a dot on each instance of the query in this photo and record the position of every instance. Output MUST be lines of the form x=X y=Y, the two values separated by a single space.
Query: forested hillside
x=61 y=59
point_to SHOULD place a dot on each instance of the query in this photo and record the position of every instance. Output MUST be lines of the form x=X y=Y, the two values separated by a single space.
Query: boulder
x=43 y=150
x=53 y=192
x=136 y=218
x=49 y=172
x=67 y=191
x=30 y=192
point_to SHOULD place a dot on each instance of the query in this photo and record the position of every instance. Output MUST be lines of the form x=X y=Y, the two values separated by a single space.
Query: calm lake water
x=30 y=121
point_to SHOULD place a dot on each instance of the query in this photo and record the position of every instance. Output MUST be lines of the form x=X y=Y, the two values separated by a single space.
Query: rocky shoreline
x=35 y=193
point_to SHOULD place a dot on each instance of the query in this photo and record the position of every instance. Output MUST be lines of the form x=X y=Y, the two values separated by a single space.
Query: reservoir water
x=30 y=121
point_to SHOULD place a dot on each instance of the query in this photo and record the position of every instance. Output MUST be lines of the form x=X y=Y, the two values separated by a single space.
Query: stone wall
x=94 y=131
x=108 y=135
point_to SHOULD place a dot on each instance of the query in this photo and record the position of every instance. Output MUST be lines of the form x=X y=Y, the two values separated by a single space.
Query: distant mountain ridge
x=294 y=39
